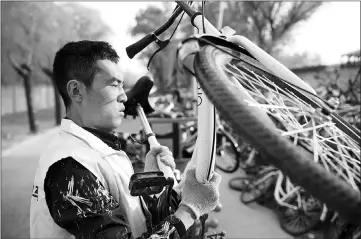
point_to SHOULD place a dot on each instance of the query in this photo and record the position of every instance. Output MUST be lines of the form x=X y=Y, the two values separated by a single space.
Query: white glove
x=166 y=157
x=200 y=198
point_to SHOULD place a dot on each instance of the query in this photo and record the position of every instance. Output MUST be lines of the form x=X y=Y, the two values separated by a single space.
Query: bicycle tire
x=255 y=192
x=248 y=197
x=293 y=161
x=297 y=222
x=239 y=183
x=235 y=158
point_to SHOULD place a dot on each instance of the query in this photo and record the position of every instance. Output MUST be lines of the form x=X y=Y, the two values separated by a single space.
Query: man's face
x=102 y=105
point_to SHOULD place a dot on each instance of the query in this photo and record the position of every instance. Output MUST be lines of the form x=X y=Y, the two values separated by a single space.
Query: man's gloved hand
x=166 y=157
x=200 y=198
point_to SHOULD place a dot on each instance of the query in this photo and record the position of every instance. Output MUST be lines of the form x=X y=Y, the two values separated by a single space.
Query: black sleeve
x=79 y=203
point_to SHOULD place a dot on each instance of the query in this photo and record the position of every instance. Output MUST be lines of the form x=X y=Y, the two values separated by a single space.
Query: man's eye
x=117 y=84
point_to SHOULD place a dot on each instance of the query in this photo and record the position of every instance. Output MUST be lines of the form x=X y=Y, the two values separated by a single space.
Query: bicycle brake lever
x=162 y=45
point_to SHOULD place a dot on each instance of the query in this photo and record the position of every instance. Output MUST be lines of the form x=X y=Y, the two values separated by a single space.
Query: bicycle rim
x=315 y=154
x=298 y=223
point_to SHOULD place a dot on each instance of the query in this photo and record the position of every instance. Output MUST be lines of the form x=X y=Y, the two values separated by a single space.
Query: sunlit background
x=320 y=37
x=333 y=30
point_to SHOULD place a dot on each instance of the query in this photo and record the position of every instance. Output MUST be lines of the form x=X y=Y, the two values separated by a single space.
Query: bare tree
x=268 y=24
x=24 y=70
x=34 y=31
x=271 y=22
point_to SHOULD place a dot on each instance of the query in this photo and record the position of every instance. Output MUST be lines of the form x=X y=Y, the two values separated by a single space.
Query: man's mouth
x=121 y=111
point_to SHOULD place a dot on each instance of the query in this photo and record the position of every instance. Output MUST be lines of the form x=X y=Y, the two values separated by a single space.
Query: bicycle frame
x=205 y=147
x=203 y=158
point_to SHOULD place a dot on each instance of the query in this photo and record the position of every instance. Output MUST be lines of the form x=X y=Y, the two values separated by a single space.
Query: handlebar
x=140 y=45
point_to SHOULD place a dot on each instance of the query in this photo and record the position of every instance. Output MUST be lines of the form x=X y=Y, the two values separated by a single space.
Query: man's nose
x=122 y=97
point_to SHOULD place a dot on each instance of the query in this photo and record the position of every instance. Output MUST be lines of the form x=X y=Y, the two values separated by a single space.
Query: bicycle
x=228 y=153
x=313 y=146
x=170 y=108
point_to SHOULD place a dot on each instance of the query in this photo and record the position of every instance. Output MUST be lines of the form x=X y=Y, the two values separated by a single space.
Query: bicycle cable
x=163 y=44
x=203 y=6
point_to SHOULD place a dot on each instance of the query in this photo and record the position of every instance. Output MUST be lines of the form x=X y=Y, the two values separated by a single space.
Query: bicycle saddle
x=139 y=95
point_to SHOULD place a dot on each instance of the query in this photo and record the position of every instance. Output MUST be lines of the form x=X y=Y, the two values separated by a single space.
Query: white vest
x=112 y=168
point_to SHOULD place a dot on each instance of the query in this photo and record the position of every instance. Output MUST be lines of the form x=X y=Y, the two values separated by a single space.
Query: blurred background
x=319 y=41
x=308 y=37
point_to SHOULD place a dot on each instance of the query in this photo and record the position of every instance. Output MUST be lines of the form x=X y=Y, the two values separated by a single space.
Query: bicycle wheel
x=258 y=188
x=298 y=222
x=245 y=93
x=227 y=153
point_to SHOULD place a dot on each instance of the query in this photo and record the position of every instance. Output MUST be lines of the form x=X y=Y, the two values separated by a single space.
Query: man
x=81 y=184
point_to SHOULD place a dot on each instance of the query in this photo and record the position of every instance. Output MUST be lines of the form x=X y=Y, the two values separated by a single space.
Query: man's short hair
x=76 y=60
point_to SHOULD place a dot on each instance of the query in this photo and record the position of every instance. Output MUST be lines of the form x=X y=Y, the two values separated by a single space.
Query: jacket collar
x=110 y=139
x=70 y=127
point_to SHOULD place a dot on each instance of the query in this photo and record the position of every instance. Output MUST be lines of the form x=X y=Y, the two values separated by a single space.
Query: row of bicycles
x=298 y=212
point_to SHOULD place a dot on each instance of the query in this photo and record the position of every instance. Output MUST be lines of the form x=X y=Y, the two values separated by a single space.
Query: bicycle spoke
x=303 y=125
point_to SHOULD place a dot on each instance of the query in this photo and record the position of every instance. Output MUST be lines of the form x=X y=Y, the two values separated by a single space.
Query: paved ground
x=15 y=127
x=17 y=172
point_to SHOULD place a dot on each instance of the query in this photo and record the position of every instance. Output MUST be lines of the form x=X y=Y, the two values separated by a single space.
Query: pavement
x=19 y=164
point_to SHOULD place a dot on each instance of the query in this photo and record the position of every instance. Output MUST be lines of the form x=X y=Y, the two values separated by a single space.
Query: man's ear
x=74 y=90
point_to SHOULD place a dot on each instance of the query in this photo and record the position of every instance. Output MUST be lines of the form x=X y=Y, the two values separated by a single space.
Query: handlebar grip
x=137 y=47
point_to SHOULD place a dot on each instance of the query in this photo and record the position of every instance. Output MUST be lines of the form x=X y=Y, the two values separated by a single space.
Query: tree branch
x=254 y=17
x=290 y=20
x=16 y=66
x=47 y=71
x=30 y=56
x=296 y=15
x=276 y=11
x=267 y=16
x=259 y=14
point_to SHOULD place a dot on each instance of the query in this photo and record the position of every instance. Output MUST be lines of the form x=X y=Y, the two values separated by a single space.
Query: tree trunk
x=24 y=71
x=57 y=104
x=57 y=100
x=29 y=103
